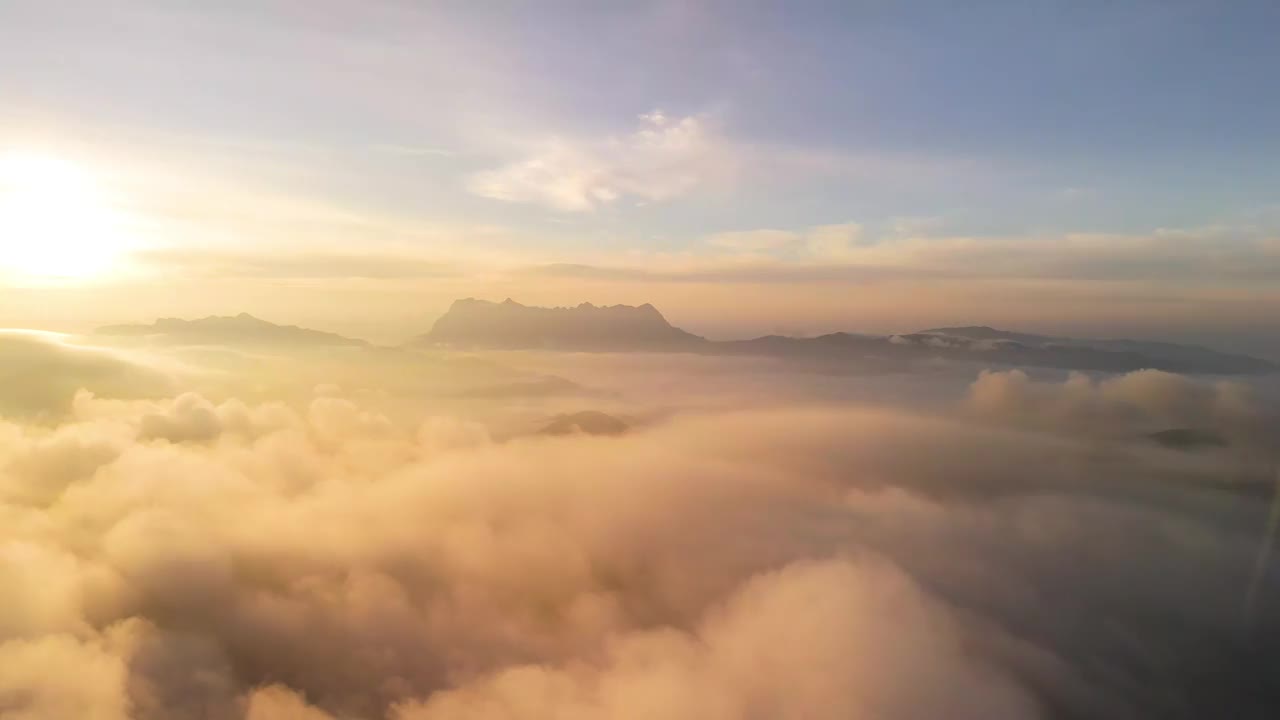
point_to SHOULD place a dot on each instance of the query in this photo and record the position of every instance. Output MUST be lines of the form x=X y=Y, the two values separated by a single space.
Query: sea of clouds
x=179 y=545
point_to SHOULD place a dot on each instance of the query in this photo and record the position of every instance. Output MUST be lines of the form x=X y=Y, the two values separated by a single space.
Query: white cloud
x=51 y=367
x=825 y=243
x=1204 y=255
x=790 y=562
x=828 y=562
x=414 y=150
x=833 y=242
x=754 y=240
x=1121 y=406
x=665 y=158
x=321 y=552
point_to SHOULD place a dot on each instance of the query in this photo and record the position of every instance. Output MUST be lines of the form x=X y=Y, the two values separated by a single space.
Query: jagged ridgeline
x=472 y=323
x=479 y=324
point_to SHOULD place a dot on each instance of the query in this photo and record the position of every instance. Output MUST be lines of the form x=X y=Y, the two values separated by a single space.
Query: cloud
x=1135 y=403
x=753 y=240
x=41 y=372
x=315 y=264
x=742 y=266
x=191 y=558
x=834 y=242
x=912 y=249
x=189 y=418
x=824 y=243
x=36 y=684
x=414 y=150
x=666 y=158
x=793 y=641
x=1201 y=256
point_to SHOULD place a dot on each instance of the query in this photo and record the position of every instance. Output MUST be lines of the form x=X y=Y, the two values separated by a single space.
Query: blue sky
x=641 y=133
x=1006 y=117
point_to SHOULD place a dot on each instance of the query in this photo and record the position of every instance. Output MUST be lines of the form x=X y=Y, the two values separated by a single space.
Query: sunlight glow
x=55 y=220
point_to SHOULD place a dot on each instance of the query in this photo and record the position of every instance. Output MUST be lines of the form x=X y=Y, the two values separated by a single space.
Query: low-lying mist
x=190 y=533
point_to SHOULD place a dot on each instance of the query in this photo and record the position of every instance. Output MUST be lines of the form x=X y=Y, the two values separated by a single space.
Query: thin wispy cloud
x=1203 y=256
x=665 y=158
x=415 y=151
x=833 y=242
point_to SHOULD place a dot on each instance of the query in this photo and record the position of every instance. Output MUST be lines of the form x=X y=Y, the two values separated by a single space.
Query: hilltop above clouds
x=478 y=323
x=1024 y=555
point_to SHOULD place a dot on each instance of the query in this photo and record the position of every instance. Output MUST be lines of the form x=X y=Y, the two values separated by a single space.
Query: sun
x=55 y=219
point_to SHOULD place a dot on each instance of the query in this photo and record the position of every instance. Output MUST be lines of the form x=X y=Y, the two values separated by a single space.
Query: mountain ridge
x=480 y=324
x=1182 y=357
x=234 y=329
x=473 y=324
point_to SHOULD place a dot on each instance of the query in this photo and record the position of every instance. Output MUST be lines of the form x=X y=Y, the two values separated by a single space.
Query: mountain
x=242 y=329
x=1102 y=354
x=478 y=324
x=988 y=346
x=587 y=422
x=472 y=323
x=982 y=332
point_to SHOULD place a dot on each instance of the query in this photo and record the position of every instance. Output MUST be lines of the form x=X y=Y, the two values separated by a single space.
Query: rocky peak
x=509 y=324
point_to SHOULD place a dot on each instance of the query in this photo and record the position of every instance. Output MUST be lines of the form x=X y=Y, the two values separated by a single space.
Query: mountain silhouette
x=586 y=422
x=242 y=329
x=479 y=324
x=472 y=323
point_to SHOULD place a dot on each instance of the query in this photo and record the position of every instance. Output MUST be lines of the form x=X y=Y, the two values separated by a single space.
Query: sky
x=1086 y=167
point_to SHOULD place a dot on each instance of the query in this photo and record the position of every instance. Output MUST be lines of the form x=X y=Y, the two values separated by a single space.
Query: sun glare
x=55 y=220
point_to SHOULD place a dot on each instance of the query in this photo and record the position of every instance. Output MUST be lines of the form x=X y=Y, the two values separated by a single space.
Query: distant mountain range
x=999 y=347
x=1170 y=356
x=242 y=329
x=472 y=324
x=478 y=324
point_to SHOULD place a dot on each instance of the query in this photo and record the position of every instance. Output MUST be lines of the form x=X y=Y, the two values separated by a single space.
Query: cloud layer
x=1026 y=557
x=40 y=372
